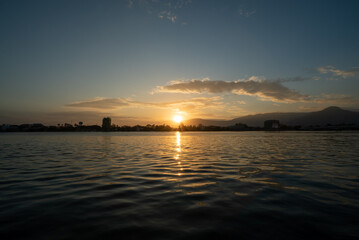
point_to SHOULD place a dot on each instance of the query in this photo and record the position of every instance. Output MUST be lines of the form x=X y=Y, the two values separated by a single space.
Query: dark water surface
x=225 y=185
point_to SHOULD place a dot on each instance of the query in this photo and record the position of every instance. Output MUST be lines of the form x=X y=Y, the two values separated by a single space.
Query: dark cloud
x=266 y=90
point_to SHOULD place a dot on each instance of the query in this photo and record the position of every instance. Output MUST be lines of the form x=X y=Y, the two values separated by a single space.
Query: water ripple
x=230 y=185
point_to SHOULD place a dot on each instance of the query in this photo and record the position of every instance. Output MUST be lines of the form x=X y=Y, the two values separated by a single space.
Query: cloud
x=193 y=105
x=266 y=90
x=106 y=104
x=241 y=102
x=293 y=79
x=246 y=13
x=167 y=15
x=337 y=72
x=341 y=99
x=164 y=10
x=310 y=108
x=101 y=103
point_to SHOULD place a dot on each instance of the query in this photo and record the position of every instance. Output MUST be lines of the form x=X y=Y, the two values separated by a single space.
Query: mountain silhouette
x=331 y=115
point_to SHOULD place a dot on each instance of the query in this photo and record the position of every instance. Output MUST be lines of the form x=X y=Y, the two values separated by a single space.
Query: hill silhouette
x=331 y=115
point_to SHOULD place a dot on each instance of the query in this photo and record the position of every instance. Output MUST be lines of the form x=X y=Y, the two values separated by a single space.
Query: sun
x=178 y=118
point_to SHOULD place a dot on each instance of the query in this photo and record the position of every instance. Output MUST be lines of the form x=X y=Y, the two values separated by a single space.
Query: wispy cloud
x=246 y=13
x=101 y=103
x=241 y=102
x=339 y=73
x=167 y=15
x=310 y=108
x=194 y=106
x=293 y=79
x=338 y=99
x=106 y=104
x=262 y=88
x=163 y=9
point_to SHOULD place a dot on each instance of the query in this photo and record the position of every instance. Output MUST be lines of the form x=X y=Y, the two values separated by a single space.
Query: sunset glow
x=146 y=62
x=178 y=118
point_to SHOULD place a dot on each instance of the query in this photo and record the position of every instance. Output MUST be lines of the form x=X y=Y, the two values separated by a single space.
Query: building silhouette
x=106 y=123
x=271 y=124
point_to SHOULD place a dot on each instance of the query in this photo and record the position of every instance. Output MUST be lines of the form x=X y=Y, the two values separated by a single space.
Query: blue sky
x=145 y=61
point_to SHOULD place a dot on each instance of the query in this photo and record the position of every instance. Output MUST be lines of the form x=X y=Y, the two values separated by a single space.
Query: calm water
x=225 y=185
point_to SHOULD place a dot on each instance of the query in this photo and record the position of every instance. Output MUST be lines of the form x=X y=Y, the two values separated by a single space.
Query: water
x=190 y=185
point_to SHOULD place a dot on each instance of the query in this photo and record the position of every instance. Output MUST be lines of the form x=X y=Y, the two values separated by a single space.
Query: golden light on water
x=178 y=142
x=178 y=118
x=177 y=155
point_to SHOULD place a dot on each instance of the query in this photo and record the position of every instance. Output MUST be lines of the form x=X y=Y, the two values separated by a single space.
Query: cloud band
x=266 y=90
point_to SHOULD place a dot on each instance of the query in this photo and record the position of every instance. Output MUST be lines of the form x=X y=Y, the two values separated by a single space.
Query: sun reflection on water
x=178 y=150
x=178 y=143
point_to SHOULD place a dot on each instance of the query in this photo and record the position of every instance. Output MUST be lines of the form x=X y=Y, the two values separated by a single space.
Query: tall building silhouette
x=271 y=124
x=106 y=123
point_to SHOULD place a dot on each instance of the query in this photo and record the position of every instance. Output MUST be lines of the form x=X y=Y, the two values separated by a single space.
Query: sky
x=146 y=61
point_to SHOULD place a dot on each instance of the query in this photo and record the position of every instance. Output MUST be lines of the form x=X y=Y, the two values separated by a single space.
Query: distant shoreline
x=268 y=125
x=257 y=130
